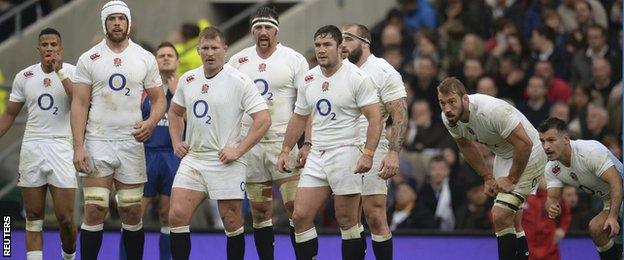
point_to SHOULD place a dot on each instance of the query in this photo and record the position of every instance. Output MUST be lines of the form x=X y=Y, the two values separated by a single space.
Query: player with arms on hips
x=46 y=154
x=590 y=166
x=214 y=97
x=277 y=71
x=356 y=42
x=336 y=94
x=518 y=163
x=110 y=80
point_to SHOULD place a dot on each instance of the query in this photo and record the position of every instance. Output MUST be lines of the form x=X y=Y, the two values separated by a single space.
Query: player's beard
x=117 y=39
x=355 y=55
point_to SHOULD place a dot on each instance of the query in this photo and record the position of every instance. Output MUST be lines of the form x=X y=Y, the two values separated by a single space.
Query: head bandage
x=268 y=21
x=115 y=7
x=367 y=41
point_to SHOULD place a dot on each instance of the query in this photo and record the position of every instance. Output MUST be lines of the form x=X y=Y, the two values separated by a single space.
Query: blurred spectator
x=423 y=132
x=533 y=15
x=187 y=48
x=597 y=119
x=613 y=143
x=497 y=45
x=581 y=97
x=558 y=89
x=509 y=9
x=614 y=106
x=437 y=194
x=475 y=214
x=486 y=85
x=426 y=81
x=407 y=213
x=567 y=12
x=544 y=49
x=473 y=69
x=543 y=233
x=510 y=78
x=597 y=47
x=553 y=21
x=602 y=82
x=418 y=14
x=393 y=55
x=560 y=110
x=584 y=14
x=425 y=45
x=580 y=213
x=394 y=18
x=536 y=107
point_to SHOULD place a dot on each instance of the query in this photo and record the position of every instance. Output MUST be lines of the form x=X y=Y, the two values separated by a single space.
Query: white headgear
x=115 y=7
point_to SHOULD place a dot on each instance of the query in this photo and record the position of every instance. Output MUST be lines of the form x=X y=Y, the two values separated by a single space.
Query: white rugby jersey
x=117 y=81
x=491 y=121
x=276 y=78
x=335 y=104
x=389 y=88
x=214 y=108
x=589 y=160
x=46 y=100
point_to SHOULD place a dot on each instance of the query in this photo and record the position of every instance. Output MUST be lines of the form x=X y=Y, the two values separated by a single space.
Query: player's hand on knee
x=282 y=163
x=505 y=184
x=490 y=187
x=302 y=156
x=364 y=164
x=554 y=210
x=143 y=131
x=228 y=155
x=611 y=225
x=389 y=165
x=80 y=160
x=180 y=149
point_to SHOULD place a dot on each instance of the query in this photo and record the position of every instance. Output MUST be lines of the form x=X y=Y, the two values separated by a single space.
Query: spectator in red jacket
x=540 y=229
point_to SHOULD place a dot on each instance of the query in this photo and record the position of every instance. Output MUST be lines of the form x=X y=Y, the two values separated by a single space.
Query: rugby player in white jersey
x=277 y=71
x=110 y=80
x=46 y=154
x=356 y=42
x=590 y=166
x=214 y=97
x=335 y=94
x=519 y=158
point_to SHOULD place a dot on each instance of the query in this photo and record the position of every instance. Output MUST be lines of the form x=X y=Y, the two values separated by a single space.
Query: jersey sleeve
x=178 y=96
x=71 y=72
x=599 y=161
x=17 y=91
x=82 y=75
x=503 y=120
x=393 y=88
x=301 y=105
x=366 y=92
x=551 y=179
x=300 y=72
x=251 y=101
x=152 y=78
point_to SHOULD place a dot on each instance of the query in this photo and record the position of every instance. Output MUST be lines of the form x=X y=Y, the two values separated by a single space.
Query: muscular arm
x=473 y=156
x=159 y=105
x=176 y=122
x=296 y=126
x=7 y=119
x=81 y=100
x=259 y=126
x=67 y=86
x=373 y=132
x=612 y=177
x=522 y=146
x=396 y=133
x=552 y=202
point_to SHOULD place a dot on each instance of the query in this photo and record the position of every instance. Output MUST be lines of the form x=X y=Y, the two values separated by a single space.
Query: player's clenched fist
x=389 y=165
x=228 y=155
x=80 y=160
x=180 y=149
x=282 y=162
x=143 y=131
x=364 y=164
x=553 y=209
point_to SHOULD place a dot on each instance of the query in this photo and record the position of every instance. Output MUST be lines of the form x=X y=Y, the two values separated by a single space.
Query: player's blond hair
x=210 y=33
x=452 y=85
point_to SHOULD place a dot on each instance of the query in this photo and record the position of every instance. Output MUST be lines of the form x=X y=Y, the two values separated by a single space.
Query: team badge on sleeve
x=28 y=74
x=94 y=56
x=574 y=177
x=242 y=60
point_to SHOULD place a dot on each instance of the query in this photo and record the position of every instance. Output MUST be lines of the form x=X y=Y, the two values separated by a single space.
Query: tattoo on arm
x=396 y=134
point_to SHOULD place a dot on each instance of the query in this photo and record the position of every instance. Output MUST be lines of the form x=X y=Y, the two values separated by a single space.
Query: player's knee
x=376 y=219
x=231 y=220
x=300 y=217
x=595 y=227
x=163 y=215
x=502 y=218
x=178 y=217
x=94 y=214
x=34 y=215
x=345 y=220
x=65 y=220
x=261 y=211
x=290 y=207
x=127 y=198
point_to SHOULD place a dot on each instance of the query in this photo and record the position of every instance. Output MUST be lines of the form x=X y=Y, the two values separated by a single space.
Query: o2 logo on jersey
x=200 y=110
x=323 y=106
x=46 y=102
x=263 y=87
x=118 y=82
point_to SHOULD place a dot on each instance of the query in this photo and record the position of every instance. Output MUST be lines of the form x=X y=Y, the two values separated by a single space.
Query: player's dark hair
x=167 y=44
x=48 y=31
x=330 y=30
x=210 y=33
x=265 y=11
x=552 y=123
